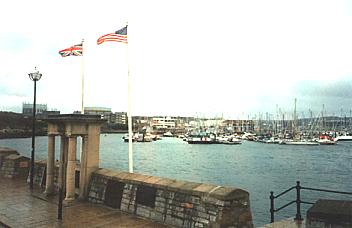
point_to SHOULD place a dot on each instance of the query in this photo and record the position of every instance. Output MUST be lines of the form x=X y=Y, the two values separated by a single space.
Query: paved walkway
x=19 y=207
x=287 y=223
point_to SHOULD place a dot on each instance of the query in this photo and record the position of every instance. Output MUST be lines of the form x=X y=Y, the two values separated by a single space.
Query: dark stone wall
x=174 y=202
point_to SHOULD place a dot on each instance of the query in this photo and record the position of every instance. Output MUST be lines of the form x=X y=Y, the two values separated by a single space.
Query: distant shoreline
x=113 y=131
x=19 y=135
x=28 y=134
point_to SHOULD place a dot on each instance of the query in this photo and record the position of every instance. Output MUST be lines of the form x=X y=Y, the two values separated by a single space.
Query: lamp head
x=35 y=76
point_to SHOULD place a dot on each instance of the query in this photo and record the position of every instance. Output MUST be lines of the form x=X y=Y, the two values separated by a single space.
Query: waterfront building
x=27 y=109
x=105 y=113
x=239 y=125
x=120 y=117
x=163 y=122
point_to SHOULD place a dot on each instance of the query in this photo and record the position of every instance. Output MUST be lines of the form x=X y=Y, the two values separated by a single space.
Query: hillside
x=16 y=125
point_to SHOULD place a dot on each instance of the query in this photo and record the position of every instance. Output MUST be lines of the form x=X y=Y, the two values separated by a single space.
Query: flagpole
x=82 y=71
x=129 y=115
x=82 y=101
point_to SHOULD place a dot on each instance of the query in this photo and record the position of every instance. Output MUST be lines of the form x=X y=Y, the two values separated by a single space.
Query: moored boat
x=201 y=138
x=229 y=140
x=327 y=142
x=125 y=138
x=168 y=134
x=299 y=142
x=343 y=138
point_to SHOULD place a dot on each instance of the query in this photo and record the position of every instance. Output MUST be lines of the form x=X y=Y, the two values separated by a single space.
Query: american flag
x=75 y=50
x=118 y=36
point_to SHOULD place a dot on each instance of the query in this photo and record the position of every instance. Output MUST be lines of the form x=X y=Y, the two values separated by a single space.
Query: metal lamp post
x=34 y=76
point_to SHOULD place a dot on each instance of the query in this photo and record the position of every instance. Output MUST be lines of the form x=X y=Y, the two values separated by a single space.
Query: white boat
x=201 y=138
x=229 y=140
x=168 y=134
x=248 y=136
x=233 y=141
x=299 y=142
x=343 y=138
x=273 y=140
x=138 y=137
x=125 y=138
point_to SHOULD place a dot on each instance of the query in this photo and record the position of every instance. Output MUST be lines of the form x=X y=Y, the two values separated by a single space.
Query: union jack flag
x=118 y=36
x=75 y=50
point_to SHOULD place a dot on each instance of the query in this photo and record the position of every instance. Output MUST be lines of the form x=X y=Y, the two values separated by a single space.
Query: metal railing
x=298 y=200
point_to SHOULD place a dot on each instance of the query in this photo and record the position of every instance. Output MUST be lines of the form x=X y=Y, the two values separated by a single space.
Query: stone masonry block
x=212 y=218
x=202 y=220
x=212 y=212
x=143 y=212
x=159 y=192
x=160 y=199
x=158 y=204
x=157 y=216
x=159 y=209
x=124 y=207
x=174 y=221
x=198 y=224
x=203 y=215
x=124 y=200
x=211 y=200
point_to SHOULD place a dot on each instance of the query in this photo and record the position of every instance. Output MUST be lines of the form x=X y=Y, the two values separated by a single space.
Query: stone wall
x=330 y=213
x=4 y=152
x=14 y=165
x=178 y=203
x=174 y=202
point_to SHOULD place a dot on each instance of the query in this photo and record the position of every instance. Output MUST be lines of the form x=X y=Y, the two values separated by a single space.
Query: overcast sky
x=187 y=58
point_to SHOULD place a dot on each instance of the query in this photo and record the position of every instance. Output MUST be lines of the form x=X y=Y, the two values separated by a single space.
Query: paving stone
x=21 y=208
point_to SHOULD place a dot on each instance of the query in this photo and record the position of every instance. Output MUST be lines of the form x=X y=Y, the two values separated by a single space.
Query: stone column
x=50 y=166
x=83 y=182
x=71 y=167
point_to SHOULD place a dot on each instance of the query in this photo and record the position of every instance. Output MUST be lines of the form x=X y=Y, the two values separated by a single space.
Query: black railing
x=298 y=200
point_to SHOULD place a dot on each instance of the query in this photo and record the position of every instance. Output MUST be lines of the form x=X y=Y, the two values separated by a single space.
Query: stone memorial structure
x=69 y=127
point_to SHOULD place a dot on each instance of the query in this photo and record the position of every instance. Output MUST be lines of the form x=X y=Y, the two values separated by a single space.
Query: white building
x=27 y=109
x=163 y=122
x=105 y=113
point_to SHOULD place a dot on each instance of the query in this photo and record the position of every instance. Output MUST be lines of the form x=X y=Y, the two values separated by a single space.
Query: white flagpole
x=82 y=101
x=129 y=116
x=82 y=65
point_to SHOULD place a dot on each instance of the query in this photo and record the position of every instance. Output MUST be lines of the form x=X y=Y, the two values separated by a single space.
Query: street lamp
x=34 y=76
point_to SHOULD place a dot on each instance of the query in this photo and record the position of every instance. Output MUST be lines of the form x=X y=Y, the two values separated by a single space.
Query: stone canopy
x=69 y=127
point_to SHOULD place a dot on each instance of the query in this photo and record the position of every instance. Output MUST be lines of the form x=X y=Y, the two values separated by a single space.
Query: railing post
x=298 y=202
x=272 y=210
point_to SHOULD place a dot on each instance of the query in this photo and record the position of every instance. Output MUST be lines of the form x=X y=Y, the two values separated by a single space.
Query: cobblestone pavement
x=20 y=207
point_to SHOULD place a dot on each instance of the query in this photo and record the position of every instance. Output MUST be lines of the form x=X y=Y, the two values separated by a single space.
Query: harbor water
x=256 y=167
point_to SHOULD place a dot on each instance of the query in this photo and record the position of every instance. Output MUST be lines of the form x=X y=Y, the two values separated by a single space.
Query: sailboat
x=295 y=141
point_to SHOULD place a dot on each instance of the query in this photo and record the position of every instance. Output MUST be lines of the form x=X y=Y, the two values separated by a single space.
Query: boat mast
x=322 y=117
x=294 y=123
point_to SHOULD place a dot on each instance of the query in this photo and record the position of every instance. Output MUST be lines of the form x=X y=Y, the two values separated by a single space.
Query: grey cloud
x=335 y=89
